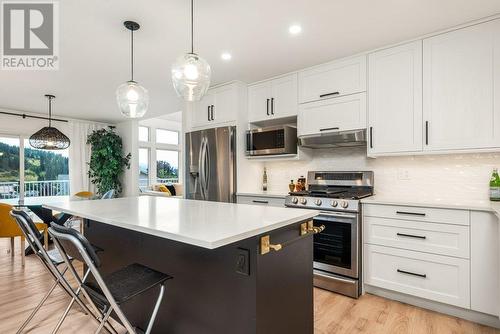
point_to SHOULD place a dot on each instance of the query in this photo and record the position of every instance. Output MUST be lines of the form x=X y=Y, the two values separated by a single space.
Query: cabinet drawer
x=339 y=114
x=447 y=216
x=435 y=277
x=443 y=239
x=261 y=200
x=338 y=78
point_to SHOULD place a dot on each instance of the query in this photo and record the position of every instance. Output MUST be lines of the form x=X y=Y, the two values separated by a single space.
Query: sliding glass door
x=10 y=177
x=29 y=172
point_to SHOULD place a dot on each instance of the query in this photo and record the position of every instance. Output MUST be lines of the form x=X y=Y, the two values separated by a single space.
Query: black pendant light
x=49 y=138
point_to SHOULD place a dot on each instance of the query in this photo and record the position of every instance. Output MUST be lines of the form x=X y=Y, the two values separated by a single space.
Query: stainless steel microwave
x=272 y=141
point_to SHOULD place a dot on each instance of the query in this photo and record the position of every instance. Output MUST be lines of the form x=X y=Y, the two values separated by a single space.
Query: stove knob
x=344 y=204
x=317 y=202
x=295 y=200
x=334 y=203
x=303 y=200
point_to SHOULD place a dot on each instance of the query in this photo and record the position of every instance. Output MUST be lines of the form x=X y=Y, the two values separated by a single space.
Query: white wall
x=128 y=131
x=15 y=125
x=456 y=177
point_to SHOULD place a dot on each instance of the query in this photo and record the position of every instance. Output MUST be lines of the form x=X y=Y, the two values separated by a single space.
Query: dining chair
x=109 y=194
x=84 y=194
x=10 y=229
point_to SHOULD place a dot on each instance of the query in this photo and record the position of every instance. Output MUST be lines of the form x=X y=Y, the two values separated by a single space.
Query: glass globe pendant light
x=132 y=98
x=191 y=73
x=49 y=138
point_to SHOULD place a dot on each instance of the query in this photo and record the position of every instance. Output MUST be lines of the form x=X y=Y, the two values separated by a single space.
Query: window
x=143 y=133
x=167 y=166
x=167 y=137
x=143 y=168
x=46 y=173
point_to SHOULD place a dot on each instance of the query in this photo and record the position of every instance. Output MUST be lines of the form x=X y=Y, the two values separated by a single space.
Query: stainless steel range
x=337 y=250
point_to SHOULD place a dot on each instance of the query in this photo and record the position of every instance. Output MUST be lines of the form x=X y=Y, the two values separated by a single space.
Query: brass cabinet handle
x=305 y=229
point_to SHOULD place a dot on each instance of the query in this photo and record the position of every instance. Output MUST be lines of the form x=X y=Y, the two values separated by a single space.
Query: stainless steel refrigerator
x=211 y=164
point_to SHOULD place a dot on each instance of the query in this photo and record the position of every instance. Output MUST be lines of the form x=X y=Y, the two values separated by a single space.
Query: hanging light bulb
x=191 y=73
x=132 y=98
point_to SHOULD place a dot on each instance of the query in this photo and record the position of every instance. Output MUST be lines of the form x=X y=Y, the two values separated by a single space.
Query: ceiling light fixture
x=132 y=98
x=191 y=73
x=49 y=138
x=226 y=56
x=295 y=29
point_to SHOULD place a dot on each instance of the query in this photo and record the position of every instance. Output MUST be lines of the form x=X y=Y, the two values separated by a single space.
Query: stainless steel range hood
x=334 y=139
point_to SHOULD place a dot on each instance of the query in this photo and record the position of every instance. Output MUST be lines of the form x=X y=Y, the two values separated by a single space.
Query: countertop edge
x=194 y=242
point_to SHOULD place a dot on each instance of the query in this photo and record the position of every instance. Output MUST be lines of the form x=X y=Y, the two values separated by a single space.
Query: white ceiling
x=94 y=56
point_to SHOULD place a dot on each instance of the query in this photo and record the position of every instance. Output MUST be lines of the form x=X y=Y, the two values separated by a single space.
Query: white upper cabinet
x=461 y=97
x=343 y=77
x=339 y=114
x=395 y=99
x=219 y=105
x=273 y=99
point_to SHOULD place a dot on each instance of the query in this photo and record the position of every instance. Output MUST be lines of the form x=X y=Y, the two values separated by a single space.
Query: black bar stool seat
x=126 y=283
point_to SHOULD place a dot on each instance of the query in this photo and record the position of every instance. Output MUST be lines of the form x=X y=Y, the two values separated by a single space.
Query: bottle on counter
x=302 y=182
x=291 y=186
x=264 y=180
x=495 y=186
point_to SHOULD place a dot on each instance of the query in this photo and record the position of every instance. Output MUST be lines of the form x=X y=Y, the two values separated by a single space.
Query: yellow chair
x=10 y=229
x=84 y=194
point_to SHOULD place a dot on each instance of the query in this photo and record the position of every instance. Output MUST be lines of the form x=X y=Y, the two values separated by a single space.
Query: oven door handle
x=337 y=215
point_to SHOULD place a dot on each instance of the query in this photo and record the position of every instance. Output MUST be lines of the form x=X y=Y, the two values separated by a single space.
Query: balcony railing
x=35 y=188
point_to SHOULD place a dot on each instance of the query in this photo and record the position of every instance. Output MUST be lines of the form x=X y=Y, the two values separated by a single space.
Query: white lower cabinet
x=261 y=200
x=485 y=262
x=440 y=278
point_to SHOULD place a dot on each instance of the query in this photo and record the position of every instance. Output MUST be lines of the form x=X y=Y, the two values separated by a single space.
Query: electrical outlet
x=403 y=174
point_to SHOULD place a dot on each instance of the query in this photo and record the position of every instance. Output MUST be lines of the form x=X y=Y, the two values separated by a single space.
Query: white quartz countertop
x=200 y=223
x=475 y=205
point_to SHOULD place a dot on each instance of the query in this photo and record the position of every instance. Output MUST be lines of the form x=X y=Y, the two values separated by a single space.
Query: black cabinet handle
x=260 y=201
x=329 y=94
x=410 y=273
x=411 y=236
x=329 y=129
x=212 y=113
x=272 y=105
x=371 y=136
x=410 y=213
x=267 y=107
x=426 y=132
x=208 y=113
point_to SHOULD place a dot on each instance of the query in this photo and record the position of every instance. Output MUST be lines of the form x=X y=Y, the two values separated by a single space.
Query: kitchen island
x=230 y=275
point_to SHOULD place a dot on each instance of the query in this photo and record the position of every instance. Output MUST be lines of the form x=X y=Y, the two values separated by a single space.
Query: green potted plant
x=107 y=162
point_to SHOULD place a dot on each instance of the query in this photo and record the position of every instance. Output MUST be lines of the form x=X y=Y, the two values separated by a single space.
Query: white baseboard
x=481 y=318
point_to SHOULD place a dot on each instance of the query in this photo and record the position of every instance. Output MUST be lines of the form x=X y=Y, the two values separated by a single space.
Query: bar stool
x=51 y=260
x=115 y=289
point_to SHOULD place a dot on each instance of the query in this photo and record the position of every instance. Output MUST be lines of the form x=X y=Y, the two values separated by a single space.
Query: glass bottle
x=495 y=186
x=291 y=186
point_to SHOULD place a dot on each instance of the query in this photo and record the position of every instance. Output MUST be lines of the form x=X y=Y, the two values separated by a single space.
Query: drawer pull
x=410 y=213
x=329 y=94
x=260 y=201
x=329 y=129
x=411 y=236
x=410 y=273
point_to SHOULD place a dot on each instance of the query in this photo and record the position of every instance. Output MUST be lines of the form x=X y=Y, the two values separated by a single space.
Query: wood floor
x=21 y=290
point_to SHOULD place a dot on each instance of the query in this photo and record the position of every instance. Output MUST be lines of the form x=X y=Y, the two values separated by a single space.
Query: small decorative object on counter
x=264 y=180
x=495 y=186
x=291 y=186
x=302 y=182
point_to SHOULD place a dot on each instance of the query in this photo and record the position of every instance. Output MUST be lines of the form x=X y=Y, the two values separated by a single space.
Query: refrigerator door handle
x=201 y=163
x=207 y=168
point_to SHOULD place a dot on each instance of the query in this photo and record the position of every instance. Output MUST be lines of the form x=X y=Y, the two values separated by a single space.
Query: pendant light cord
x=192 y=27
x=50 y=111
x=132 y=54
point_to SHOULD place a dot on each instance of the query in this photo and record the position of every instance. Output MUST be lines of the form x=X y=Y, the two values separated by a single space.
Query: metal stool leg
x=155 y=310
x=104 y=320
x=26 y=322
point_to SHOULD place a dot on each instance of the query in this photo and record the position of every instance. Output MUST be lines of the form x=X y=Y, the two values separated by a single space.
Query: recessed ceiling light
x=226 y=56
x=294 y=29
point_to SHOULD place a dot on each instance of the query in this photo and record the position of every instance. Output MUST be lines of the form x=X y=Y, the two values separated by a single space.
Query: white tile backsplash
x=455 y=177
